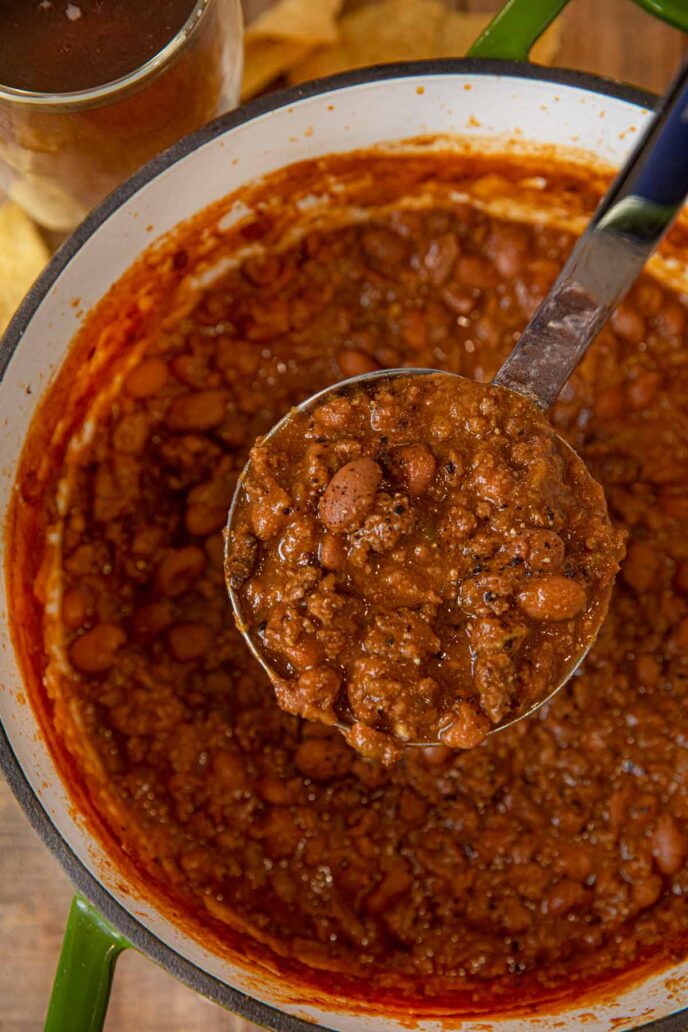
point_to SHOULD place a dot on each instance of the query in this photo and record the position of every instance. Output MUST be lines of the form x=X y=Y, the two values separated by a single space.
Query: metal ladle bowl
x=341 y=387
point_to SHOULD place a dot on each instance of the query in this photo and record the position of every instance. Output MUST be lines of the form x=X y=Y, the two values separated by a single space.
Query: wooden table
x=611 y=37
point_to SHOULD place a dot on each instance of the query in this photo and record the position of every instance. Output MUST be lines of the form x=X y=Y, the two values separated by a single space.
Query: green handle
x=675 y=12
x=84 y=972
x=511 y=33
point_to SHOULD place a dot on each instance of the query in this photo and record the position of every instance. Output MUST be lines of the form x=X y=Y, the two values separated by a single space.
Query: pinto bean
x=508 y=246
x=189 y=641
x=643 y=390
x=230 y=769
x=437 y=755
x=414 y=328
x=202 y=520
x=192 y=370
x=349 y=495
x=389 y=358
x=322 y=759
x=383 y=248
x=353 y=362
x=147 y=542
x=269 y=321
x=131 y=433
x=151 y=619
x=178 y=570
x=552 y=598
x=629 y=323
x=669 y=845
x=332 y=552
x=440 y=256
x=646 y=891
x=477 y=272
x=416 y=466
x=74 y=608
x=671 y=319
x=460 y=300
x=648 y=670
x=147 y=378
x=199 y=410
x=641 y=566
x=274 y=790
x=94 y=652
x=649 y=297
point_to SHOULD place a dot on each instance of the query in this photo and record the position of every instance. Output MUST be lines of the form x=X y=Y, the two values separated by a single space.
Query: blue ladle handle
x=628 y=225
x=660 y=176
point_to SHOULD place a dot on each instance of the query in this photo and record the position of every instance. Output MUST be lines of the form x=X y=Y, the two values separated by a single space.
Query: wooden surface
x=611 y=37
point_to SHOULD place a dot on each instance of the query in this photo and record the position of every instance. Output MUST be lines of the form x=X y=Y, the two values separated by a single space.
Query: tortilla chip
x=23 y=253
x=266 y=59
x=307 y=21
x=283 y=36
x=404 y=30
x=391 y=30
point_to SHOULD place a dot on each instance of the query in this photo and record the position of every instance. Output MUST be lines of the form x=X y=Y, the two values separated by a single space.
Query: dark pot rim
x=86 y=883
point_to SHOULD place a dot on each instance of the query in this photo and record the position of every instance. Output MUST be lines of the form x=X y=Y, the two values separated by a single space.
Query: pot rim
x=86 y=883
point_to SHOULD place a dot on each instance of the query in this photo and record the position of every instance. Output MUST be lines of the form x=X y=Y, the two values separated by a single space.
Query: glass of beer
x=91 y=89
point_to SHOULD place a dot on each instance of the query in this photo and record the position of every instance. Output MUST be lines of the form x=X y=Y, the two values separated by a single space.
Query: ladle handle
x=628 y=225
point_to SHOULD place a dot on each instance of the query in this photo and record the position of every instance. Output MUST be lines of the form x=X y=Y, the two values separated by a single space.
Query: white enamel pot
x=359 y=109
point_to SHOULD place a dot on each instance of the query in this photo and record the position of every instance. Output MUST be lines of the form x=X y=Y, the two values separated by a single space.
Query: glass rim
x=104 y=91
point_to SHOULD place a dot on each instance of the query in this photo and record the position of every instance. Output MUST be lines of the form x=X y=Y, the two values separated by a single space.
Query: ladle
x=626 y=228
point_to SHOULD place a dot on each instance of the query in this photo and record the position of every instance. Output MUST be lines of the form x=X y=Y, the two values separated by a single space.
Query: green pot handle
x=84 y=972
x=513 y=31
x=675 y=12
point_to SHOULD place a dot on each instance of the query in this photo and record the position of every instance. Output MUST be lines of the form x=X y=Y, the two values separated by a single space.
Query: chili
x=552 y=855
